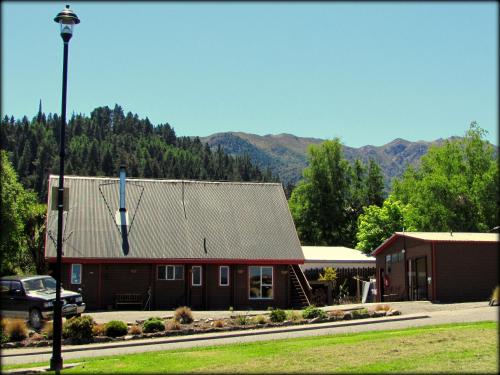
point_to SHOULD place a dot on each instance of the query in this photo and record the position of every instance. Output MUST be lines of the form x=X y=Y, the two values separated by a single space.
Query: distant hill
x=286 y=154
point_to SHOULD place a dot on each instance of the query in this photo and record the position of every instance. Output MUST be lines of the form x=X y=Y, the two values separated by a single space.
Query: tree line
x=97 y=145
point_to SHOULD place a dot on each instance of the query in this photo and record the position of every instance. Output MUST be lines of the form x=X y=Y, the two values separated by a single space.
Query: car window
x=15 y=285
x=33 y=285
x=4 y=286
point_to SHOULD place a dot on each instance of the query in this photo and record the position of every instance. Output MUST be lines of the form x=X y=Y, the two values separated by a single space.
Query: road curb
x=214 y=336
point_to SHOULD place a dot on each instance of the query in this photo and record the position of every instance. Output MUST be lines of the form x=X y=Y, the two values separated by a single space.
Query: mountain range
x=286 y=154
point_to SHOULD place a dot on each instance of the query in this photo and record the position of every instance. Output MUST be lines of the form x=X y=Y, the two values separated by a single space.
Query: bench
x=128 y=299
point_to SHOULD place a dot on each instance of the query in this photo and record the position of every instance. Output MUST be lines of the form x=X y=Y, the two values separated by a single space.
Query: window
x=388 y=263
x=223 y=275
x=4 y=286
x=261 y=282
x=196 y=277
x=76 y=274
x=170 y=272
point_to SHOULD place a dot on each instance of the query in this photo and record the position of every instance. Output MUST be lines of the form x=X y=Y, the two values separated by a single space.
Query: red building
x=161 y=244
x=441 y=267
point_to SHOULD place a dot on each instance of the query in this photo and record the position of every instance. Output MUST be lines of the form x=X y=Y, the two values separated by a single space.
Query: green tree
x=374 y=184
x=455 y=187
x=377 y=224
x=20 y=217
x=320 y=203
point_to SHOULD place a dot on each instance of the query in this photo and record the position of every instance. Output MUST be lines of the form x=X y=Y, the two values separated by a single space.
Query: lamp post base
x=56 y=364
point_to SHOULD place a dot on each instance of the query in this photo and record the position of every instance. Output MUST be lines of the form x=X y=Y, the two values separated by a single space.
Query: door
x=195 y=280
x=90 y=286
x=417 y=277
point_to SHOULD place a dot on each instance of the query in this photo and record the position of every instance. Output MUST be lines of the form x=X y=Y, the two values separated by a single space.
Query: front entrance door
x=90 y=286
x=195 y=279
x=417 y=279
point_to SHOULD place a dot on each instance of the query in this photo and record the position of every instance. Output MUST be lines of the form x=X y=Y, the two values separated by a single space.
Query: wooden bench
x=128 y=299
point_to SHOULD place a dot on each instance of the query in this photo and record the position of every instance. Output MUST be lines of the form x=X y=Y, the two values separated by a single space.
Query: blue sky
x=364 y=72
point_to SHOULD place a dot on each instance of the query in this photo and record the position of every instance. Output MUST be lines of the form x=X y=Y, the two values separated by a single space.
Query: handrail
x=300 y=284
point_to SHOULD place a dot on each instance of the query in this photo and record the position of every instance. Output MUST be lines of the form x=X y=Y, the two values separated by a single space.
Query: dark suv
x=32 y=298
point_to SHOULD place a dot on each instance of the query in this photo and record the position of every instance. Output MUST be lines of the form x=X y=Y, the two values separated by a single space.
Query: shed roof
x=176 y=220
x=440 y=237
x=339 y=254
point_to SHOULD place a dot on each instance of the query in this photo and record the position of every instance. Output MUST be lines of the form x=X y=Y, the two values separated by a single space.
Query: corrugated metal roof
x=452 y=236
x=174 y=219
x=334 y=253
x=440 y=237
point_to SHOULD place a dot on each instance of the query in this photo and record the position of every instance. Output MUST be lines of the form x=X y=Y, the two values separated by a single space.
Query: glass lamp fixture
x=66 y=19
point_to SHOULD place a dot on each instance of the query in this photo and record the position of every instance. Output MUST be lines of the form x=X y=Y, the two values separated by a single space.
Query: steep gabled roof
x=440 y=237
x=176 y=220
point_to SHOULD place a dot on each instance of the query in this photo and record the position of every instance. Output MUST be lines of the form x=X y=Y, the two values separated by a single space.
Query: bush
x=361 y=313
x=277 y=315
x=99 y=330
x=294 y=316
x=153 y=324
x=383 y=307
x=219 y=323
x=16 y=329
x=337 y=314
x=183 y=315
x=311 y=312
x=135 y=329
x=48 y=330
x=241 y=320
x=116 y=328
x=495 y=296
x=173 y=325
x=3 y=336
x=78 y=329
x=260 y=319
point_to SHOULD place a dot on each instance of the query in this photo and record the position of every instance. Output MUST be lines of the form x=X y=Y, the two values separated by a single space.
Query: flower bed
x=172 y=327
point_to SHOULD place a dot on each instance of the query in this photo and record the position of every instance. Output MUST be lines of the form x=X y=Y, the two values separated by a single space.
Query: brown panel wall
x=466 y=271
x=123 y=278
x=169 y=294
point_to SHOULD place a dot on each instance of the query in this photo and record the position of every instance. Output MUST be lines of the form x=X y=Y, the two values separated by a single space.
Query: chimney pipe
x=122 y=189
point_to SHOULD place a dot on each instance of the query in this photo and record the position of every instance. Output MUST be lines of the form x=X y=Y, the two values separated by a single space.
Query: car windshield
x=42 y=283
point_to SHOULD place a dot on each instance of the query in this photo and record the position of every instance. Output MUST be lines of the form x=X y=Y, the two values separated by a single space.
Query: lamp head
x=67 y=19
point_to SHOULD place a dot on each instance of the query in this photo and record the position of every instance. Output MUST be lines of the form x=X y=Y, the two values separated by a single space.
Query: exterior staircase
x=300 y=290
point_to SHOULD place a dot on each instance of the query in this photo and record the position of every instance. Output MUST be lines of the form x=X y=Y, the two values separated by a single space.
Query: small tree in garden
x=330 y=275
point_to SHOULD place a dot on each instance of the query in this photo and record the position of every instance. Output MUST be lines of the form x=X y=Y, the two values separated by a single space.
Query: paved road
x=463 y=313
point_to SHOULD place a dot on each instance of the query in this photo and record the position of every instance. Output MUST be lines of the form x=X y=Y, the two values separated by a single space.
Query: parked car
x=32 y=298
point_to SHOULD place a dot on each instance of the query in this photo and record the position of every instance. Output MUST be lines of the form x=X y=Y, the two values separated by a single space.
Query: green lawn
x=462 y=347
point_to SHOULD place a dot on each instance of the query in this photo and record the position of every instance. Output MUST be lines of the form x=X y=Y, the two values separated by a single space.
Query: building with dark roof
x=437 y=266
x=208 y=245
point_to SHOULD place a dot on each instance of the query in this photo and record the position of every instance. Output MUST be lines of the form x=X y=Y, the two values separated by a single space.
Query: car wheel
x=36 y=318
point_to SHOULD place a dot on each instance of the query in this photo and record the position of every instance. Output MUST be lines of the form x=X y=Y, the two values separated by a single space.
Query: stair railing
x=300 y=284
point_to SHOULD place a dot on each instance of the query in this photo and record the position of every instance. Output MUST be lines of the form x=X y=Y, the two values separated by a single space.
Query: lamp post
x=67 y=19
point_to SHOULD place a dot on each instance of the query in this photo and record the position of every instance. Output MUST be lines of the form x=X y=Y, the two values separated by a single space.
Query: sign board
x=54 y=194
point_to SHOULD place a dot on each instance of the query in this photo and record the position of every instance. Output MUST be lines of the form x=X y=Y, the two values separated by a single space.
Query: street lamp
x=67 y=19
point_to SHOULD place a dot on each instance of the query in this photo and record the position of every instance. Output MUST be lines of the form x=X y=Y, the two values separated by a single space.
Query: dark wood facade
x=100 y=283
x=440 y=271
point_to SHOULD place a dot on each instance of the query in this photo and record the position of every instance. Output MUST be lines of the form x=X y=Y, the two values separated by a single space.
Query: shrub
x=153 y=324
x=361 y=313
x=383 y=307
x=173 y=325
x=99 y=330
x=277 y=315
x=337 y=314
x=37 y=337
x=219 y=323
x=183 y=315
x=78 y=329
x=260 y=319
x=115 y=328
x=293 y=315
x=241 y=320
x=16 y=329
x=311 y=312
x=135 y=329
x=48 y=330
x=495 y=296
x=3 y=336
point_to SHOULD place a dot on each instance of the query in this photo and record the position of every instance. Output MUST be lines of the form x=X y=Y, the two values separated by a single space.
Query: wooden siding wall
x=466 y=272
x=170 y=294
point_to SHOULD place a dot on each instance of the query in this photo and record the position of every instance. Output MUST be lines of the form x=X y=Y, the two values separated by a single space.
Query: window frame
x=261 y=285
x=174 y=273
x=79 y=274
x=388 y=263
x=192 y=275
x=220 y=276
